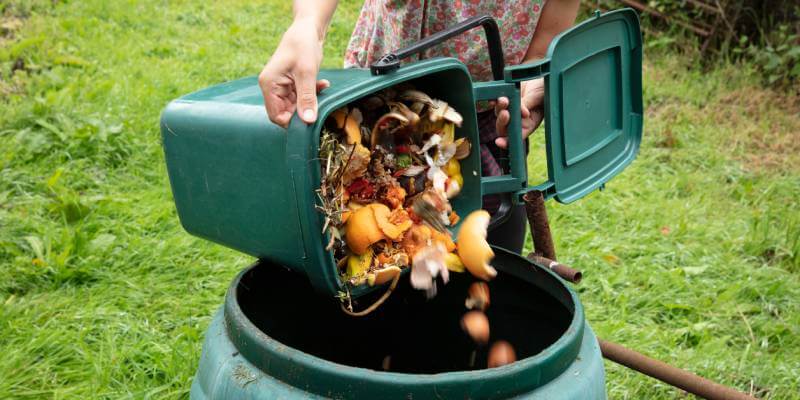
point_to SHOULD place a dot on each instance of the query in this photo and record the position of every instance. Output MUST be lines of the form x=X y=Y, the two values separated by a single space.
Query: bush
x=763 y=33
x=778 y=56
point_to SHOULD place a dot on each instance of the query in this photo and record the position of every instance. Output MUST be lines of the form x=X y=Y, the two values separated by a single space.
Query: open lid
x=593 y=102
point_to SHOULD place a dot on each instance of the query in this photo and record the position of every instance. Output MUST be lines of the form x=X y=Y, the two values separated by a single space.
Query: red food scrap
x=361 y=188
x=414 y=217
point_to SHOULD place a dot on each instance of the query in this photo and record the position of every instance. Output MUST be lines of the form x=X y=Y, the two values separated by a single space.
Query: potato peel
x=382 y=276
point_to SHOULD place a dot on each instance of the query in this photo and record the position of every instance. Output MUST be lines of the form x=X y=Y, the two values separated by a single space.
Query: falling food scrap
x=478 y=298
x=386 y=363
x=501 y=353
x=476 y=325
x=473 y=248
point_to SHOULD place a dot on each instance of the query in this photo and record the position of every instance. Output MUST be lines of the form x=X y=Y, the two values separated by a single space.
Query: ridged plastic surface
x=225 y=374
x=240 y=360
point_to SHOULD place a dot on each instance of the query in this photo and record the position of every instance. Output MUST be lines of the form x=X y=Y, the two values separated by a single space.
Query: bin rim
x=291 y=365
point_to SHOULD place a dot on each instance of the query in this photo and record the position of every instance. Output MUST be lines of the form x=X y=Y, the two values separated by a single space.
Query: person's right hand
x=289 y=80
x=531 y=99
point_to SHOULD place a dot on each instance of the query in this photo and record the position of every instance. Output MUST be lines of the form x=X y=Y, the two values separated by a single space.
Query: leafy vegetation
x=692 y=255
x=778 y=56
x=764 y=35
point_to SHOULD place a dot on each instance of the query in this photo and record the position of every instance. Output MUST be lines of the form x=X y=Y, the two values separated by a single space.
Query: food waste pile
x=390 y=166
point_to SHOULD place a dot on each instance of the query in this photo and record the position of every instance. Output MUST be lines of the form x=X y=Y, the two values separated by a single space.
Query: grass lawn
x=692 y=255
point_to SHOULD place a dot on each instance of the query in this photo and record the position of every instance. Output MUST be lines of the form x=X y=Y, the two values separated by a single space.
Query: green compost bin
x=248 y=184
x=276 y=338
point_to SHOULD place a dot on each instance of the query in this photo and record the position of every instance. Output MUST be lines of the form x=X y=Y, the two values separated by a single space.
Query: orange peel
x=339 y=117
x=395 y=196
x=352 y=130
x=345 y=215
x=444 y=239
x=362 y=230
x=350 y=122
x=383 y=219
x=473 y=249
x=453 y=217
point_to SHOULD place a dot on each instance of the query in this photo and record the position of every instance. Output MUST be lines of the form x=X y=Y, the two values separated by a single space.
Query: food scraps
x=501 y=353
x=476 y=325
x=473 y=249
x=478 y=296
x=390 y=165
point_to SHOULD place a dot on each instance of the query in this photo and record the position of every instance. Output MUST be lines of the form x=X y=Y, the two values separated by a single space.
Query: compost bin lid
x=593 y=103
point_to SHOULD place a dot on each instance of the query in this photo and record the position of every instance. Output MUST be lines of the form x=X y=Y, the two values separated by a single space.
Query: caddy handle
x=391 y=61
x=517 y=178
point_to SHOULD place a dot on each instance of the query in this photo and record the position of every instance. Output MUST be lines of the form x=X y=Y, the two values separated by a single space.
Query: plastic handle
x=518 y=179
x=390 y=62
x=524 y=72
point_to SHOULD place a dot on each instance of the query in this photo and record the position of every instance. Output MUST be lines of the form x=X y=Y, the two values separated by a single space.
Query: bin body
x=224 y=374
x=259 y=347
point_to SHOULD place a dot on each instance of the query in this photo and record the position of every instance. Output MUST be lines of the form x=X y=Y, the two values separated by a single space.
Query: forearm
x=557 y=16
x=318 y=12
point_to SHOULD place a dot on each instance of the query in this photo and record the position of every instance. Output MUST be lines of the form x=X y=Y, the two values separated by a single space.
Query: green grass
x=692 y=255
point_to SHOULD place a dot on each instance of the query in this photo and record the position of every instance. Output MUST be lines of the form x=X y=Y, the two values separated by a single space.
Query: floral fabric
x=388 y=25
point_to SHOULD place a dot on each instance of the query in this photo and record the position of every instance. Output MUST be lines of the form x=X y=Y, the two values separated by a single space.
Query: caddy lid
x=593 y=102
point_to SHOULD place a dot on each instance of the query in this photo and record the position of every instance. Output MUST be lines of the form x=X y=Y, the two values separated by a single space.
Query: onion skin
x=382 y=276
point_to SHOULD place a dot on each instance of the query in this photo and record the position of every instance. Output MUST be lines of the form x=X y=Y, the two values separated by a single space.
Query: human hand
x=531 y=100
x=289 y=80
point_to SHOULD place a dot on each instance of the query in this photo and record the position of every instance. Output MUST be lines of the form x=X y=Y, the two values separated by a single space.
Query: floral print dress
x=388 y=25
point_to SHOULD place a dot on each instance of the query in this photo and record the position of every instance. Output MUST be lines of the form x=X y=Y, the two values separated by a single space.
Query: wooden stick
x=668 y=374
x=540 y=227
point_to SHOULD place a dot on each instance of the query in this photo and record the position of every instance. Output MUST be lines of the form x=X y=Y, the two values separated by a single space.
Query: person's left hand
x=531 y=96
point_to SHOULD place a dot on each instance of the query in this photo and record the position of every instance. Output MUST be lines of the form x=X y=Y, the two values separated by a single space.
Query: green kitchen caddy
x=243 y=182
